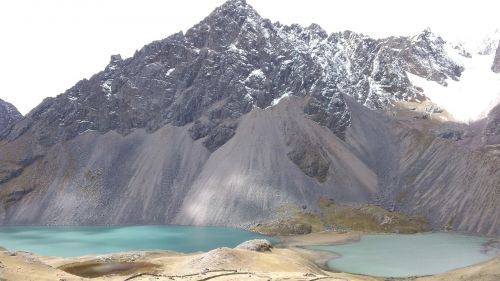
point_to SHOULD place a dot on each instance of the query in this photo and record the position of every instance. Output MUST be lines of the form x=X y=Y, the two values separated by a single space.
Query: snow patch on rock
x=278 y=99
x=470 y=98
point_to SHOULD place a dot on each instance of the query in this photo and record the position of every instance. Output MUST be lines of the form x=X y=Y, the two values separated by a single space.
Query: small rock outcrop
x=491 y=134
x=256 y=245
x=496 y=62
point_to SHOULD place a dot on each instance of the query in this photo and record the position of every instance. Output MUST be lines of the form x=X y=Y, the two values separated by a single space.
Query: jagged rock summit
x=238 y=118
x=8 y=115
x=235 y=60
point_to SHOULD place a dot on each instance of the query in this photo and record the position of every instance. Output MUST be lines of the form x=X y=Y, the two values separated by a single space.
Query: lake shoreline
x=436 y=252
x=287 y=260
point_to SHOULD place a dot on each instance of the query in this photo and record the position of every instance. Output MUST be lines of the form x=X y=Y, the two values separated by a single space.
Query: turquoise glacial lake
x=394 y=255
x=72 y=241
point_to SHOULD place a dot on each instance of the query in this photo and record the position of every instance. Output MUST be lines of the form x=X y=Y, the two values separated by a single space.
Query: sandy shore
x=287 y=261
x=321 y=238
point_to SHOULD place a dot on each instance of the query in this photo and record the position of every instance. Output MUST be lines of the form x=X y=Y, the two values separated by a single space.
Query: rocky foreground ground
x=252 y=260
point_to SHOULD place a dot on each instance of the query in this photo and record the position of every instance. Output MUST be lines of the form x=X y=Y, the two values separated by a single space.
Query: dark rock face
x=307 y=155
x=8 y=115
x=17 y=195
x=427 y=49
x=231 y=62
x=492 y=128
x=452 y=135
x=496 y=62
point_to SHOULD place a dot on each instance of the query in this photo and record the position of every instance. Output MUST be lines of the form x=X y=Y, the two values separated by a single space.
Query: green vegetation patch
x=292 y=220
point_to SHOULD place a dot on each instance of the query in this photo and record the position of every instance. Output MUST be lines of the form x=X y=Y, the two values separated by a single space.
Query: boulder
x=256 y=245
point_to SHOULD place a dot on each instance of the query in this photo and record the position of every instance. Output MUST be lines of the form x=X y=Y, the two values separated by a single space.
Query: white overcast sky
x=47 y=46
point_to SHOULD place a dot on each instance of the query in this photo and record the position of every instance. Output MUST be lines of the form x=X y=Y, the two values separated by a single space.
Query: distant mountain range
x=238 y=117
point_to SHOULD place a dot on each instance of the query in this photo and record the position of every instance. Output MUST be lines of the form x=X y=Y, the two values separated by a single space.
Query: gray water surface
x=85 y=240
x=393 y=255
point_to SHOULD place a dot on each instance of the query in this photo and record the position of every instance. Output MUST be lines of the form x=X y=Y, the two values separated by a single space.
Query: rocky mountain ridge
x=160 y=84
x=8 y=115
x=239 y=117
